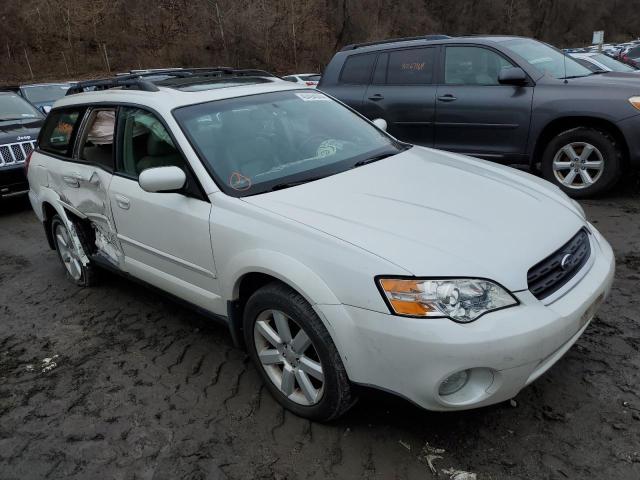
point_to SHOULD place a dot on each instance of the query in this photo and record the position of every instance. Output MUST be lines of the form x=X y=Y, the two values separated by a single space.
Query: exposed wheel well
x=567 y=123
x=48 y=213
x=247 y=285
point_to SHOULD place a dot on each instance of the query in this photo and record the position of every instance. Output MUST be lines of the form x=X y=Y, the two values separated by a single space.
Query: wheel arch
x=563 y=124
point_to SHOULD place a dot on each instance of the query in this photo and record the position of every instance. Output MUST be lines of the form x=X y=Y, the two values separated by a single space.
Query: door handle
x=447 y=98
x=73 y=180
x=376 y=97
x=123 y=202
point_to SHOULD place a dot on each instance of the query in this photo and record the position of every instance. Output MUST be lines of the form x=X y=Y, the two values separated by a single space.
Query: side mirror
x=46 y=109
x=381 y=123
x=512 y=76
x=162 y=179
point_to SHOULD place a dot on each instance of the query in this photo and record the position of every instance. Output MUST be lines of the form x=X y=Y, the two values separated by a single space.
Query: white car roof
x=167 y=98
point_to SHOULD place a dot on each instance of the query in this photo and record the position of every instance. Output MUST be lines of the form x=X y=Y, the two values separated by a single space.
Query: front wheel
x=583 y=162
x=295 y=354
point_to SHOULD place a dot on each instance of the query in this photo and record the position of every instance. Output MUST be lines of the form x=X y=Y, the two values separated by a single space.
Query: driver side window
x=145 y=143
x=473 y=66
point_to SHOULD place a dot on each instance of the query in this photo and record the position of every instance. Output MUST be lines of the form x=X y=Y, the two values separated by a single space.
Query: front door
x=165 y=236
x=402 y=92
x=477 y=115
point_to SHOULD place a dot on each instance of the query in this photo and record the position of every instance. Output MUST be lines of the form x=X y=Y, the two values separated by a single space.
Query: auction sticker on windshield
x=312 y=97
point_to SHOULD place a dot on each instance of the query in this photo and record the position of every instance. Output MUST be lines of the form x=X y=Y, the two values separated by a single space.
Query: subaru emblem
x=565 y=263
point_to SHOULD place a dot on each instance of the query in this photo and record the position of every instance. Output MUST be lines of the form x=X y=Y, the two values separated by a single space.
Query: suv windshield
x=265 y=142
x=45 y=93
x=547 y=59
x=14 y=107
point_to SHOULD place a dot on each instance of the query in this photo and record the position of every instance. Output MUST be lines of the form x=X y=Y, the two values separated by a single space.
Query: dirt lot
x=117 y=382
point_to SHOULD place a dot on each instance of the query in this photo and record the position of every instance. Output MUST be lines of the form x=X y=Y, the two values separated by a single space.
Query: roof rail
x=353 y=46
x=139 y=82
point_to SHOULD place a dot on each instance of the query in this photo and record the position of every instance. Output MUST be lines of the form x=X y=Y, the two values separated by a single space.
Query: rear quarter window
x=357 y=69
x=59 y=131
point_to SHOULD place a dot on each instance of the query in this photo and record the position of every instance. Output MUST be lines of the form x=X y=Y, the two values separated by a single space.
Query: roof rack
x=139 y=82
x=353 y=46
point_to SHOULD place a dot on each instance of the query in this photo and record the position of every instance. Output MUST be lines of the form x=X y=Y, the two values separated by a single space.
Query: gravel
x=118 y=382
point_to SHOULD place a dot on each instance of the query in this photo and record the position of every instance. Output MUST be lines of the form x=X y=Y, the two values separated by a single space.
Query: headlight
x=460 y=299
x=579 y=207
x=635 y=101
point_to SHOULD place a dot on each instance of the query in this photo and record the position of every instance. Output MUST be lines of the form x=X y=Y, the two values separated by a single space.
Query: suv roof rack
x=353 y=46
x=139 y=80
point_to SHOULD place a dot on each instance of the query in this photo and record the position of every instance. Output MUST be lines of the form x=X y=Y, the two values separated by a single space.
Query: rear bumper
x=504 y=351
x=13 y=181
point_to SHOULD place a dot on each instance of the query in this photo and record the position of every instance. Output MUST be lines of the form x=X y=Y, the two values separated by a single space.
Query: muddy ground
x=117 y=382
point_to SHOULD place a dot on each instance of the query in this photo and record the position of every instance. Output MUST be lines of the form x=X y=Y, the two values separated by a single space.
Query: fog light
x=454 y=383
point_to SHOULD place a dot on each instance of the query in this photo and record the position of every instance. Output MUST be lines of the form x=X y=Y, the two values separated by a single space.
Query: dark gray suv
x=509 y=99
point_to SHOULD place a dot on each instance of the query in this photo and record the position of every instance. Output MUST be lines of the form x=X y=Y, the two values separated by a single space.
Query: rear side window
x=357 y=69
x=59 y=131
x=96 y=146
x=413 y=66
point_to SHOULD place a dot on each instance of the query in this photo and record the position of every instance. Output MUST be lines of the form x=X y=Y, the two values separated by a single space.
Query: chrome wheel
x=578 y=165
x=289 y=357
x=67 y=252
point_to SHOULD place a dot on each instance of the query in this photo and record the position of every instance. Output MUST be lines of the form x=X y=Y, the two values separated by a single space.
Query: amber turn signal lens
x=402 y=307
x=404 y=296
x=635 y=101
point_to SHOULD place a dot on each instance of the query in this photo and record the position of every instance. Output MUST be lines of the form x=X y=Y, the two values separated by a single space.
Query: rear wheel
x=295 y=355
x=583 y=162
x=82 y=275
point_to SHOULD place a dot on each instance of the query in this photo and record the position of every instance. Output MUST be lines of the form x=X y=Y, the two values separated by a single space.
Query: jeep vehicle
x=19 y=126
x=508 y=99
x=41 y=95
x=335 y=254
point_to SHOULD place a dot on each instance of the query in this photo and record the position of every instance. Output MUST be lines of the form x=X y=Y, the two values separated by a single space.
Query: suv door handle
x=447 y=98
x=376 y=97
x=123 y=202
x=73 y=180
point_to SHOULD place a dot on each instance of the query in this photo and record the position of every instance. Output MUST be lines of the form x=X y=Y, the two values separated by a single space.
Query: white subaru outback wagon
x=337 y=255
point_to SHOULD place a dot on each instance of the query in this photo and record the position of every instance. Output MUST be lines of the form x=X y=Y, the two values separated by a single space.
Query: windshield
x=547 y=59
x=45 y=93
x=259 y=143
x=14 y=107
x=614 y=65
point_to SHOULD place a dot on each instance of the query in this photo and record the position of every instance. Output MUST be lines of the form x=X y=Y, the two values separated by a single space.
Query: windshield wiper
x=375 y=158
x=282 y=186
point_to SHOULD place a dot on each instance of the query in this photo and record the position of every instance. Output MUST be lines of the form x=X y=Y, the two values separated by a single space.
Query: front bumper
x=504 y=351
x=13 y=180
x=630 y=128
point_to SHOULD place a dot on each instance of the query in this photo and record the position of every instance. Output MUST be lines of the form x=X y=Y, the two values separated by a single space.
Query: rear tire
x=81 y=275
x=583 y=162
x=311 y=380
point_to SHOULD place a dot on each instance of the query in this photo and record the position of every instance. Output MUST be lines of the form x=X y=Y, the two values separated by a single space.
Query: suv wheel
x=583 y=162
x=295 y=354
x=78 y=273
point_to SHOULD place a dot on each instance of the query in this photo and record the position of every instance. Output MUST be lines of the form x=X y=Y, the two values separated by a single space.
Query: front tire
x=81 y=275
x=583 y=162
x=295 y=354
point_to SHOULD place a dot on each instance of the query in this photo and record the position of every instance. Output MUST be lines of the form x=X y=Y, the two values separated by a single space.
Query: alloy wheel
x=578 y=165
x=289 y=357
x=68 y=252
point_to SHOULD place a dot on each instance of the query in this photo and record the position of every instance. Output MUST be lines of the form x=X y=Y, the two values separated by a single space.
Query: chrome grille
x=13 y=153
x=549 y=275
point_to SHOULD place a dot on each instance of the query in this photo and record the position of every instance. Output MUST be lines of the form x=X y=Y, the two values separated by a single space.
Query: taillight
x=310 y=84
x=27 y=161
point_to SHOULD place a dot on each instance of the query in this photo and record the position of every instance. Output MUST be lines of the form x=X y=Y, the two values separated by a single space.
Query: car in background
x=41 y=95
x=599 y=62
x=475 y=95
x=20 y=124
x=306 y=79
x=631 y=55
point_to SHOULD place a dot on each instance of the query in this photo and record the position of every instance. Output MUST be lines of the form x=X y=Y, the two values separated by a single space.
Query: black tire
x=604 y=142
x=337 y=396
x=87 y=272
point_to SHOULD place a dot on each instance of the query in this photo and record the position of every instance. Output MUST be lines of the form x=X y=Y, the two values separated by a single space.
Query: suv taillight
x=27 y=161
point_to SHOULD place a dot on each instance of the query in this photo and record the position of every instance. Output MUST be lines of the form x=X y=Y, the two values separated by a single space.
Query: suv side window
x=97 y=143
x=145 y=143
x=412 y=66
x=473 y=66
x=357 y=69
x=59 y=131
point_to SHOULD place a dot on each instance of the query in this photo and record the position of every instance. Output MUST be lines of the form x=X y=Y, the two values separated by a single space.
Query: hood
x=12 y=131
x=434 y=213
x=610 y=79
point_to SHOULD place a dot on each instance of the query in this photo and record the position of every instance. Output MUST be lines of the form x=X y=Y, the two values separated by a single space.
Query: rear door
x=477 y=115
x=165 y=236
x=402 y=92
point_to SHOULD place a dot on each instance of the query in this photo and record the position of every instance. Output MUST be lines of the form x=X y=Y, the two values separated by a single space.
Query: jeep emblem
x=25 y=137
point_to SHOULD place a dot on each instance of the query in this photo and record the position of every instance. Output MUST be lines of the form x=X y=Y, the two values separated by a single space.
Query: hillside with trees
x=79 y=38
